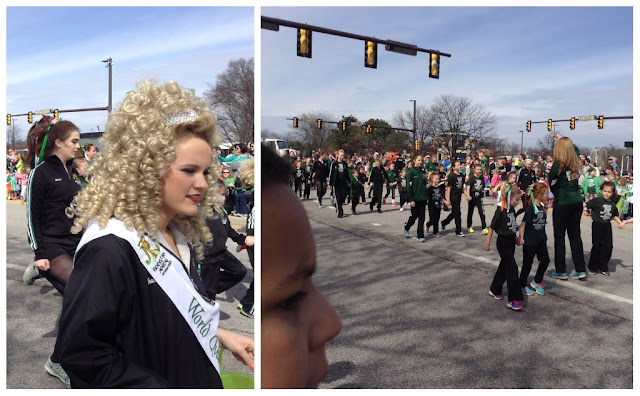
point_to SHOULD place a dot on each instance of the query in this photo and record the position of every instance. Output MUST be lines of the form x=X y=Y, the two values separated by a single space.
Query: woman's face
x=297 y=320
x=185 y=180
x=68 y=148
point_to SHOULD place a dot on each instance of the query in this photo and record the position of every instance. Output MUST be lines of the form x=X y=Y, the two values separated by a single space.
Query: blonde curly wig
x=126 y=179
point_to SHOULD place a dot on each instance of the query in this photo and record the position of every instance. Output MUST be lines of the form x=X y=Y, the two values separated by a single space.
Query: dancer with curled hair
x=135 y=311
x=52 y=146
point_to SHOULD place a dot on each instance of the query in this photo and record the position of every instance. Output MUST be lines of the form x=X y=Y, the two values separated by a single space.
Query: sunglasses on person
x=223 y=172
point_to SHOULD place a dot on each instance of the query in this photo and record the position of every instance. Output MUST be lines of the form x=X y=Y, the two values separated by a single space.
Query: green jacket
x=566 y=190
x=417 y=189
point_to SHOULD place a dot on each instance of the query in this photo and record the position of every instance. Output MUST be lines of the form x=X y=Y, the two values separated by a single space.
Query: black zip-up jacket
x=525 y=178
x=119 y=329
x=221 y=229
x=50 y=191
x=321 y=170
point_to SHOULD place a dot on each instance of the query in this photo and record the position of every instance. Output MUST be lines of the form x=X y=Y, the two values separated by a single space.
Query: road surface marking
x=568 y=284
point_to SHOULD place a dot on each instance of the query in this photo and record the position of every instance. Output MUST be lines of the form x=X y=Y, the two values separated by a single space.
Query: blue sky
x=521 y=63
x=54 y=54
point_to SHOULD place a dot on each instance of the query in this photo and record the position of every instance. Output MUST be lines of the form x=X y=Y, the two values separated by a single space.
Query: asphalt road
x=32 y=311
x=418 y=315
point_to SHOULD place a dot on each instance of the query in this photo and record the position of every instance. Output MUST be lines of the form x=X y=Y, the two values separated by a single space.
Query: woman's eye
x=188 y=170
x=206 y=173
x=292 y=302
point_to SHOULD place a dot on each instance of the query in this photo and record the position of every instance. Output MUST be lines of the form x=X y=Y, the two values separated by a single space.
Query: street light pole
x=109 y=63
x=414 y=122
x=521 y=142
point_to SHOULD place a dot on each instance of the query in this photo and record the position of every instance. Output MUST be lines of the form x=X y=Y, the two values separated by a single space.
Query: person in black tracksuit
x=377 y=179
x=307 y=178
x=51 y=189
x=435 y=196
x=320 y=172
x=453 y=195
x=505 y=225
x=298 y=178
x=417 y=196
x=603 y=210
x=355 y=189
x=339 y=181
x=526 y=177
x=220 y=270
x=475 y=191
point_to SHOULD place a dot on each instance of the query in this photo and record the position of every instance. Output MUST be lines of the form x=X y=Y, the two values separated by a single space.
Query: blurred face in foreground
x=297 y=320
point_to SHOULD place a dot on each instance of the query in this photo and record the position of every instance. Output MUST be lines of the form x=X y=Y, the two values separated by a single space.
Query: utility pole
x=521 y=142
x=414 y=123
x=109 y=63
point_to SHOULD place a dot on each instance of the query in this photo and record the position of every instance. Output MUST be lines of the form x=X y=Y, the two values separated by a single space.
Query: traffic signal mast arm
x=339 y=124
x=275 y=22
x=590 y=118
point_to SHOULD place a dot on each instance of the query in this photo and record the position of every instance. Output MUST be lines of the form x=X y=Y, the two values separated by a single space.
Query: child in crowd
x=533 y=239
x=591 y=186
x=298 y=178
x=435 y=199
x=392 y=183
x=362 y=178
x=474 y=192
x=377 y=178
x=603 y=209
x=24 y=177
x=355 y=190
x=504 y=224
x=402 y=188
x=442 y=173
x=307 y=177
x=624 y=190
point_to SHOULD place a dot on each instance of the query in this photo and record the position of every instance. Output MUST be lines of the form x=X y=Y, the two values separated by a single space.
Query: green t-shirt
x=392 y=178
x=566 y=189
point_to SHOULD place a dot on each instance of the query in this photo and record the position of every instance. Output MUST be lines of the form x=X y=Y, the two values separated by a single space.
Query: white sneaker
x=401 y=209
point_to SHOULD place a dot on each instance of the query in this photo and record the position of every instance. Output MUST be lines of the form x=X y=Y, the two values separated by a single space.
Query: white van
x=278 y=145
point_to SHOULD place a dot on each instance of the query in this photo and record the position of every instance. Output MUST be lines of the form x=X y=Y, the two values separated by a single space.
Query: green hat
x=591 y=170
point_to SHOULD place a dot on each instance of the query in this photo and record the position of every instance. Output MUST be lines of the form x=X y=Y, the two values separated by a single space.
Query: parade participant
x=90 y=152
x=376 y=181
x=474 y=192
x=52 y=146
x=307 y=177
x=320 y=172
x=297 y=320
x=453 y=194
x=339 y=181
x=603 y=209
x=355 y=190
x=435 y=200
x=246 y=173
x=533 y=240
x=135 y=312
x=567 y=210
x=402 y=188
x=392 y=183
x=298 y=178
x=362 y=178
x=220 y=270
x=432 y=164
x=525 y=177
x=417 y=196
x=591 y=186
x=504 y=224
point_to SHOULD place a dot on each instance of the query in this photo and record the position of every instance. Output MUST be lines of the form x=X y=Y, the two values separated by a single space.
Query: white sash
x=168 y=272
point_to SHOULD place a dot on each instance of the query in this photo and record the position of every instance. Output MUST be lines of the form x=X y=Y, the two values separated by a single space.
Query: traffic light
x=529 y=126
x=319 y=123
x=417 y=145
x=549 y=124
x=304 y=43
x=295 y=122
x=56 y=114
x=344 y=125
x=572 y=123
x=600 y=122
x=434 y=65
x=370 y=54
x=30 y=117
x=8 y=119
x=369 y=128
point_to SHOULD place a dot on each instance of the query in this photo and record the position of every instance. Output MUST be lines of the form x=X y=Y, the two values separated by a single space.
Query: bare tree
x=232 y=99
x=544 y=145
x=451 y=123
x=14 y=135
x=308 y=133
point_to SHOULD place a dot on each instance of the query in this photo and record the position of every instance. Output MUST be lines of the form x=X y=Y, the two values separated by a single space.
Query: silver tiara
x=180 y=116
